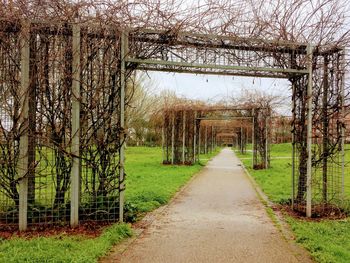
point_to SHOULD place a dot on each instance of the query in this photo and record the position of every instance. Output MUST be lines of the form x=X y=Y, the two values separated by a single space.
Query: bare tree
x=143 y=104
x=320 y=22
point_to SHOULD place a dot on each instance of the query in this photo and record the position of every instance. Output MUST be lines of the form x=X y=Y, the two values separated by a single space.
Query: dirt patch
x=319 y=213
x=88 y=229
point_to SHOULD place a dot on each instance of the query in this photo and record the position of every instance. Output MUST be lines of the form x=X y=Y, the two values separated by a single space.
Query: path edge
x=277 y=219
x=140 y=227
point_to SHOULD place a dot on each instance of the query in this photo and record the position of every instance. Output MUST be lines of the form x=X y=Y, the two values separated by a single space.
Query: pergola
x=81 y=72
x=187 y=129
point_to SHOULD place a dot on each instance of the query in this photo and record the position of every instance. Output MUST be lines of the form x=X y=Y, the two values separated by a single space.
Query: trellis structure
x=63 y=102
x=280 y=130
x=312 y=71
x=189 y=131
x=318 y=100
x=226 y=137
x=62 y=122
x=234 y=133
x=180 y=135
x=236 y=123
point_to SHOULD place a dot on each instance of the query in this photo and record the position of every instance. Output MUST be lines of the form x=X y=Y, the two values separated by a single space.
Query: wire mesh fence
x=183 y=141
x=62 y=114
x=319 y=171
x=38 y=112
x=280 y=129
x=180 y=135
x=10 y=126
x=206 y=138
x=261 y=135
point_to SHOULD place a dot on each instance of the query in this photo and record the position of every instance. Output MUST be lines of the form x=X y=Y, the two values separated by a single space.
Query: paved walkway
x=217 y=218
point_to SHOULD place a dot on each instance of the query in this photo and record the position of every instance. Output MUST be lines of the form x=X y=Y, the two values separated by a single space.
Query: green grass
x=276 y=182
x=327 y=240
x=149 y=184
x=62 y=248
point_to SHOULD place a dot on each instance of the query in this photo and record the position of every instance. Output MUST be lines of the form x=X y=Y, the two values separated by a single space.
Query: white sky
x=215 y=88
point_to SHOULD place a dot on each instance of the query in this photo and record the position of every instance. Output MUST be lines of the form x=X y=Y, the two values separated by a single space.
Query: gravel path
x=217 y=218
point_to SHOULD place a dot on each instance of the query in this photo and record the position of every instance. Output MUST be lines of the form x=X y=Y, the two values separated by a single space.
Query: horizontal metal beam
x=224 y=118
x=211 y=72
x=225 y=37
x=14 y=25
x=218 y=44
x=215 y=108
x=223 y=108
x=182 y=65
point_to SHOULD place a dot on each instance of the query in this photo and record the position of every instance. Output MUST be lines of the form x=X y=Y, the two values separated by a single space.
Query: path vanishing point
x=218 y=217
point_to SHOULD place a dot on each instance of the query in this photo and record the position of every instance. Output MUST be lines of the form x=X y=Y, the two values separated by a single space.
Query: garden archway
x=87 y=68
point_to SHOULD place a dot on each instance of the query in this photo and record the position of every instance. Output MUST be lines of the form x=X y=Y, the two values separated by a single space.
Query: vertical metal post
x=325 y=130
x=199 y=142
x=33 y=76
x=212 y=138
x=206 y=140
x=166 y=135
x=309 y=134
x=266 y=143
x=75 y=148
x=343 y=126
x=22 y=166
x=163 y=139
x=123 y=54
x=195 y=137
x=241 y=138
x=253 y=138
x=183 y=136
x=293 y=141
x=173 y=137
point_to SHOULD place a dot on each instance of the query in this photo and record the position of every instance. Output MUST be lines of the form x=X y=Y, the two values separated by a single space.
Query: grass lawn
x=62 y=248
x=149 y=184
x=327 y=240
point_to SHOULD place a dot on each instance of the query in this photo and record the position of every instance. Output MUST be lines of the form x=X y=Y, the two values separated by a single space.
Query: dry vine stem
x=190 y=130
x=63 y=71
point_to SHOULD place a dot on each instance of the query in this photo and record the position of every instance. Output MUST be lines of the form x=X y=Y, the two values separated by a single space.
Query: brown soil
x=89 y=229
x=320 y=212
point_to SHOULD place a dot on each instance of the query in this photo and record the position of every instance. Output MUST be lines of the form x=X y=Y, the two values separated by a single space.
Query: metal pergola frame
x=170 y=56
x=224 y=42
x=229 y=118
x=210 y=41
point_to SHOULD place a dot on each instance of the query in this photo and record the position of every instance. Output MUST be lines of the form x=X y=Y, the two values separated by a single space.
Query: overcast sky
x=211 y=87
x=216 y=88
